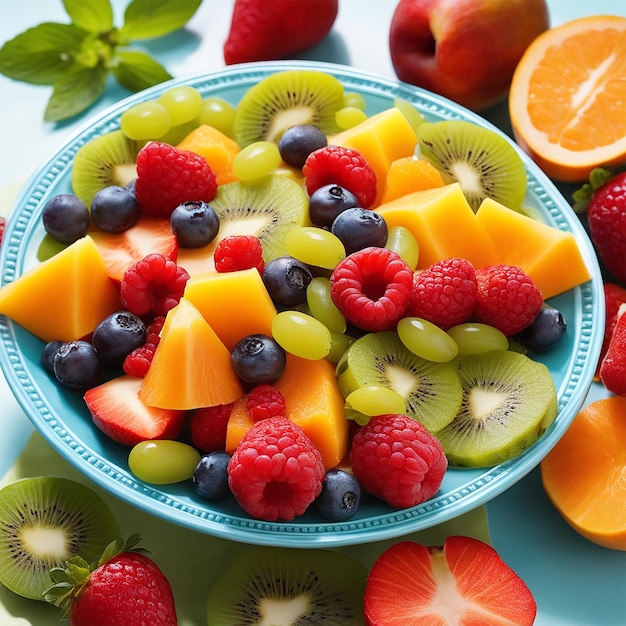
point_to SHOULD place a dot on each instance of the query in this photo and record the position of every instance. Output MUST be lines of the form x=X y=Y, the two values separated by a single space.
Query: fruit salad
x=292 y=306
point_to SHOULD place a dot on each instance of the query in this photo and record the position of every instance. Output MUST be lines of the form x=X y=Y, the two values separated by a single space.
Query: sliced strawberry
x=118 y=412
x=613 y=364
x=121 y=250
x=614 y=297
x=463 y=582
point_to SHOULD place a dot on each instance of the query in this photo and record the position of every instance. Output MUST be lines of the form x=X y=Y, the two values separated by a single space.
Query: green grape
x=476 y=338
x=164 y=461
x=314 y=246
x=414 y=117
x=183 y=103
x=218 y=113
x=354 y=99
x=322 y=306
x=339 y=343
x=376 y=400
x=256 y=160
x=145 y=120
x=426 y=339
x=347 y=117
x=402 y=241
x=301 y=334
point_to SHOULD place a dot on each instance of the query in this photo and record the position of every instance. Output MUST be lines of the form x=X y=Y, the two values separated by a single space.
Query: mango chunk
x=381 y=139
x=235 y=304
x=65 y=297
x=443 y=223
x=191 y=367
x=551 y=257
x=313 y=401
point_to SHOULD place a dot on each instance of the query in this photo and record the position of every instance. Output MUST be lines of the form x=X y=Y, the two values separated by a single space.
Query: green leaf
x=75 y=92
x=40 y=55
x=137 y=70
x=96 y=16
x=147 y=19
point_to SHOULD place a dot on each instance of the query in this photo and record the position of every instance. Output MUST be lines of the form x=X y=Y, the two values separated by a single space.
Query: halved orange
x=584 y=475
x=567 y=100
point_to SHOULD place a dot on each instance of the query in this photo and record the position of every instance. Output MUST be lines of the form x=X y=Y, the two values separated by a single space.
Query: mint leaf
x=95 y=16
x=137 y=70
x=147 y=19
x=40 y=55
x=76 y=90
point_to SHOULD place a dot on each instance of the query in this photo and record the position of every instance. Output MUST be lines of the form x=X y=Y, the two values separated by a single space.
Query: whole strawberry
x=124 y=587
x=264 y=31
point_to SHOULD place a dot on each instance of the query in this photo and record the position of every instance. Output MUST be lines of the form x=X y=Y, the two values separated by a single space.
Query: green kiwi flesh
x=44 y=521
x=108 y=159
x=508 y=402
x=432 y=391
x=267 y=208
x=284 y=99
x=288 y=587
x=484 y=163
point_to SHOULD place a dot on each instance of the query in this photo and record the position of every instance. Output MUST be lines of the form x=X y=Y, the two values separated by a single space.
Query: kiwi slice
x=105 y=160
x=284 y=99
x=267 y=208
x=508 y=402
x=44 y=521
x=432 y=391
x=483 y=162
x=286 y=586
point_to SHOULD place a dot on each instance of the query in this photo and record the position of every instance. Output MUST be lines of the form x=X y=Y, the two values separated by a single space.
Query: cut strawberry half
x=118 y=412
x=462 y=582
x=121 y=250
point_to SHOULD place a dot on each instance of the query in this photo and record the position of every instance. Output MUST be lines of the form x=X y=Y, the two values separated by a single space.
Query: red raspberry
x=208 y=427
x=2 y=226
x=154 y=284
x=371 y=287
x=137 y=363
x=396 y=459
x=238 y=252
x=507 y=298
x=342 y=166
x=276 y=471
x=444 y=293
x=167 y=177
x=266 y=401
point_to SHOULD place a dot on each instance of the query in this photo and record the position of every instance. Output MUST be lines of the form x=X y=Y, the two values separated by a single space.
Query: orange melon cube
x=235 y=304
x=313 y=401
x=191 y=367
x=65 y=297
x=409 y=174
x=217 y=149
x=551 y=257
x=443 y=223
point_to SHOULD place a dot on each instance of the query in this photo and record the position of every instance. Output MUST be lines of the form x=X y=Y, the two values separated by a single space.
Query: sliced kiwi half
x=483 y=162
x=284 y=99
x=108 y=159
x=431 y=391
x=44 y=521
x=286 y=586
x=508 y=402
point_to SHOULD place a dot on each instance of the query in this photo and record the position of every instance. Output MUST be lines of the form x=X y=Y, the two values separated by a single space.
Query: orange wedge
x=568 y=96
x=584 y=475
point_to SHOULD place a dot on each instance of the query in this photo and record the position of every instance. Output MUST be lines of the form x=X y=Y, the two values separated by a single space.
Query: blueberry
x=327 y=202
x=258 y=359
x=115 y=209
x=117 y=335
x=210 y=477
x=78 y=366
x=340 y=496
x=47 y=355
x=297 y=142
x=545 y=331
x=359 y=228
x=66 y=218
x=195 y=224
x=286 y=280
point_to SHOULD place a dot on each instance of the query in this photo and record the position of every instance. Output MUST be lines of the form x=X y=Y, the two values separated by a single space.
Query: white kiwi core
x=283 y=611
x=46 y=541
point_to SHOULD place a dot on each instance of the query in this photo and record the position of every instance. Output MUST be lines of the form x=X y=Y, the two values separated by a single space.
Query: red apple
x=465 y=50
